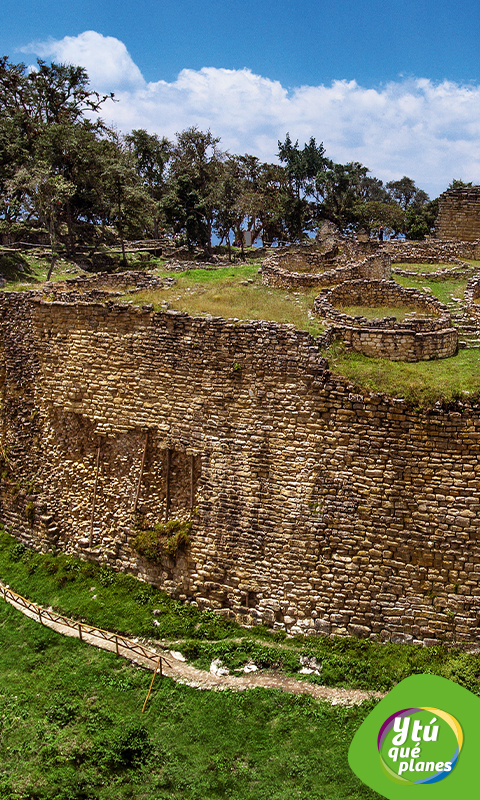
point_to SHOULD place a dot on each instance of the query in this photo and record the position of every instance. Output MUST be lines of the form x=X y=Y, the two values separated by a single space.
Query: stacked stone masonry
x=471 y=297
x=318 y=509
x=306 y=268
x=459 y=214
x=412 y=339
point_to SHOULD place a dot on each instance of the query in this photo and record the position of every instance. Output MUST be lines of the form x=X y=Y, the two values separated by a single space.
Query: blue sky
x=393 y=85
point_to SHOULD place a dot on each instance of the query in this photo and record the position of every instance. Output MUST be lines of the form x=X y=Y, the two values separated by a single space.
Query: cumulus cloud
x=428 y=131
x=106 y=59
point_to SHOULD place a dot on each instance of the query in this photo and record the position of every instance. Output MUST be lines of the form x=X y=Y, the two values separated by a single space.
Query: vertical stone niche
x=113 y=478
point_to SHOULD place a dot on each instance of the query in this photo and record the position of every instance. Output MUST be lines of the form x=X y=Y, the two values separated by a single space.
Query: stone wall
x=318 y=509
x=459 y=214
x=279 y=271
x=472 y=294
x=431 y=251
x=135 y=280
x=459 y=272
x=411 y=339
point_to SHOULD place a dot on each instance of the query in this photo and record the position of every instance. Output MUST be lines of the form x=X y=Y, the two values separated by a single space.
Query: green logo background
x=420 y=691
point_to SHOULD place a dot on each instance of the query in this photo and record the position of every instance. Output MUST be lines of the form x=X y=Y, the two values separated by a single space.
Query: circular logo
x=419 y=745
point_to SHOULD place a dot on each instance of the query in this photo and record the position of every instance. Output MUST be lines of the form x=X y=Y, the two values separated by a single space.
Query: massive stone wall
x=459 y=214
x=317 y=509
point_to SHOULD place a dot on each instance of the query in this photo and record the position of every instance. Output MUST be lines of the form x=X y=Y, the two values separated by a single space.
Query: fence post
x=159 y=663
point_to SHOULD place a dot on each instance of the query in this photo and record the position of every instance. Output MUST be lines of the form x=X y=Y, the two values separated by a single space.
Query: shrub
x=128 y=749
x=17 y=551
x=61 y=713
x=163 y=539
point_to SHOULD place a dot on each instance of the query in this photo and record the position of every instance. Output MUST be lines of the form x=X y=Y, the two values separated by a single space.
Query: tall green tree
x=302 y=166
x=150 y=156
x=406 y=193
x=194 y=177
x=45 y=193
x=126 y=204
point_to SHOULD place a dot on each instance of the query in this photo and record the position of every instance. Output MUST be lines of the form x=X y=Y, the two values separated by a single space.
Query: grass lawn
x=421 y=383
x=442 y=290
x=72 y=729
x=23 y=271
x=428 y=267
x=236 y=292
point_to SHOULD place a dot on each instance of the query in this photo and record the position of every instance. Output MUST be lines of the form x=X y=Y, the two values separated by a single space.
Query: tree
x=302 y=168
x=420 y=220
x=406 y=193
x=44 y=132
x=230 y=212
x=126 y=204
x=192 y=186
x=150 y=156
x=338 y=192
x=45 y=192
x=373 y=213
x=459 y=184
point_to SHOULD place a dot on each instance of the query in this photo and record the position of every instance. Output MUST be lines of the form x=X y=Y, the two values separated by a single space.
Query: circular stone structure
x=472 y=297
x=306 y=267
x=449 y=269
x=412 y=339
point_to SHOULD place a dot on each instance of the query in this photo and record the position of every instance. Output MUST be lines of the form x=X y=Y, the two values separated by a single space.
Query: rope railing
x=120 y=642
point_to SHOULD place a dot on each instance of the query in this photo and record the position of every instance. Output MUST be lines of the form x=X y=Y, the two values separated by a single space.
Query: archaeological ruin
x=314 y=508
x=459 y=215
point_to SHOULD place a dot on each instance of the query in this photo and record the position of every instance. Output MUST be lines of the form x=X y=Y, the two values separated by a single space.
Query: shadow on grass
x=15 y=267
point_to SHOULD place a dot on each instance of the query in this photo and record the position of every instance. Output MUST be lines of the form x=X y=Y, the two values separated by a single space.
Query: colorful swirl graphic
x=388 y=725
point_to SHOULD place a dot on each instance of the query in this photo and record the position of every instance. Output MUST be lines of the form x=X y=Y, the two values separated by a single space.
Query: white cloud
x=106 y=59
x=410 y=127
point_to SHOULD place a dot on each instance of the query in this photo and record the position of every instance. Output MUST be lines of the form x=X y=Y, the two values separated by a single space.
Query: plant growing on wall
x=164 y=539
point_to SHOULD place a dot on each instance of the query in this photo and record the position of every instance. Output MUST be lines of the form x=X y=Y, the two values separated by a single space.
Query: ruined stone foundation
x=314 y=508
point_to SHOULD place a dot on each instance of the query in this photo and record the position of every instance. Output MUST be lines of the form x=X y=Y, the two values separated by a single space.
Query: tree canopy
x=64 y=172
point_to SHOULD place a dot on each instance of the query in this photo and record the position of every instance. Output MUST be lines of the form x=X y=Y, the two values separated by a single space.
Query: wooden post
x=141 y=473
x=167 y=491
x=116 y=645
x=40 y=617
x=159 y=665
x=94 y=495
x=192 y=466
x=80 y=632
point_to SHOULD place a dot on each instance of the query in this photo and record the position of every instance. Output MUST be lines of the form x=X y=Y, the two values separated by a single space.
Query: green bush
x=61 y=713
x=163 y=539
x=17 y=551
x=129 y=748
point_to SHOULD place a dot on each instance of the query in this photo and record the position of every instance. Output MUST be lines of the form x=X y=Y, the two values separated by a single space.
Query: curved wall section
x=317 y=509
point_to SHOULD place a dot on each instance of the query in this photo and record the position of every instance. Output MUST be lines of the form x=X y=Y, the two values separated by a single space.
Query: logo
x=424 y=732
x=419 y=745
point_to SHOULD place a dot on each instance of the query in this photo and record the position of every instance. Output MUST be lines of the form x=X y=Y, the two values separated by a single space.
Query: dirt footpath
x=173 y=665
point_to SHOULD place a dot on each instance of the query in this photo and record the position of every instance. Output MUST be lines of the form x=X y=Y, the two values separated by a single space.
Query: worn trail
x=172 y=664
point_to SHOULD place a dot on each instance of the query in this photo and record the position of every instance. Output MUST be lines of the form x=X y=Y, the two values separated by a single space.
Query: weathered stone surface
x=412 y=339
x=459 y=214
x=318 y=509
